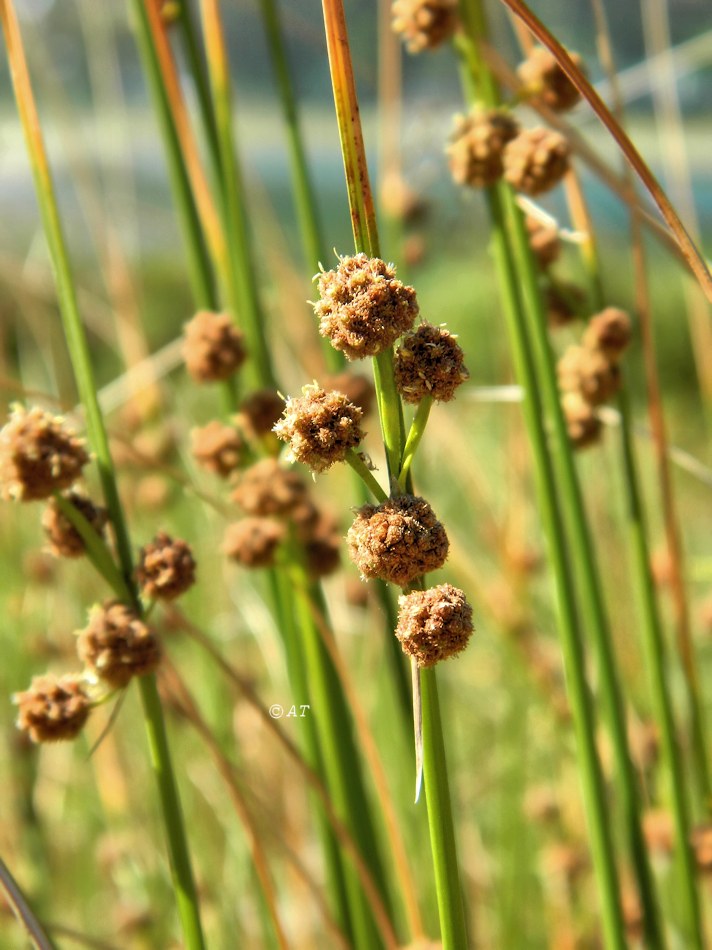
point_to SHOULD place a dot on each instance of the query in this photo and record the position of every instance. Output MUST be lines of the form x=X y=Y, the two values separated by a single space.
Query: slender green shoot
x=77 y=345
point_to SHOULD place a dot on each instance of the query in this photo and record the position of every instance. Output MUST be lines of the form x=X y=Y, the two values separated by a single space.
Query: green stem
x=572 y=649
x=242 y=279
x=340 y=761
x=442 y=837
x=174 y=825
x=588 y=574
x=654 y=645
x=364 y=473
x=415 y=434
x=200 y=272
x=80 y=357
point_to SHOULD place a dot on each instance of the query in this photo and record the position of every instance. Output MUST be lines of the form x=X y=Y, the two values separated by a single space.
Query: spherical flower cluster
x=429 y=362
x=266 y=488
x=253 y=542
x=116 y=645
x=259 y=411
x=320 y=427
x=424 y=24
x=536 y=160
x=213 y=348
x=397 y=540
x=609 y=332
x=166 y=568
x=53 y=708
x=39 y=454
x=434 y=624
x=590 y=374
x=64 y=539
x=217 y=447
x=476 y=149
x=363 y=307
x=582 y=423
x=546 y=81
x=544 y=241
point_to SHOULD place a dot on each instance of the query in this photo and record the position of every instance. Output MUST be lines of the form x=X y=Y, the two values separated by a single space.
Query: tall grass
x=295 y=735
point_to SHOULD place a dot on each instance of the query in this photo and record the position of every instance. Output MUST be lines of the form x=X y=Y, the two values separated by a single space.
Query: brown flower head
x=544 y=241
x=476 y=149
x=218 y=448
x=166 y=568
x=253 y=542
x=268 y=489
x=357 y=388
x=213 y=348
x=610 y=332
x=116 y=644
x=701 y=841
x=320 y=427
x=259 y=411
x=589 y=373
x=546 y=80
x=536 y=160
x=429 y=362
x=397 y=540
x=363 y=308
x=400 y=201
x=659 y=831
x=39 y=454
x=424 y=24
x=434 y=624
x=322 y=545
x=64 y=539
x=582 y=423
x=53 y=708
x=562 y=302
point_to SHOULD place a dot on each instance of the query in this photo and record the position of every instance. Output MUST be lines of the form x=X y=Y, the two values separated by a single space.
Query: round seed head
x=259 y=411
x=213 y=348
x=544 y=242
x=590 y=373
x=476 y=149
x=429 y=362
x=582 y=423
x=357 y=388
x=397 y=540
x=541 y=74
x=701 y=841
x=400 y=201
x=322 y=546
x=39 y=454
x=562 y=302
x=166 y=568
x=268 y=489
x=434 y=624
x=53 y=708
x=253 y=542
x=218 y=448
x=320 y=427
x=363 y=308
x=424 y=24
x=536 y=160
x=610 y=332
x=64 y=539
x=116 y=644
x=659 y=831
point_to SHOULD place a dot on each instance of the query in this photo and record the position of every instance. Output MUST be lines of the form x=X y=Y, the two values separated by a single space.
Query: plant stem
x=415 y=434
x=242 y=279
x=199 y=269
x=442 y=837
x=81 y=362
x=364 y=473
